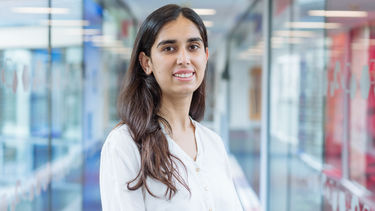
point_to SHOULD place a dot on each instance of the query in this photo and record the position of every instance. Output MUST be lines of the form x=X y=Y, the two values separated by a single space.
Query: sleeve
x=119 y=164
x=237 y=205
x=232 y=192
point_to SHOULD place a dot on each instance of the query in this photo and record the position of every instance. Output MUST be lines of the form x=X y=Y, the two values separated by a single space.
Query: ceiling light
x=294 y=33
x=80 y=31
x=364 y=42
x=294 y=40
x=205 y=11
x=208 y=23
x=277 y=40
x=66 y=22
x=282 y=40
x=313 y=25
x=40 y=10
x=105 y=41
x=91 y=31
x=332 y=13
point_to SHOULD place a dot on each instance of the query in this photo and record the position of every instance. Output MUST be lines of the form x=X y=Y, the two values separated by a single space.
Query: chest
x=187 y=143
x=208 y=181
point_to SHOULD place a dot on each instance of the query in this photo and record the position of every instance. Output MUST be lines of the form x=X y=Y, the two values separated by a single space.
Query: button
x=205 y=188
x=197 y=169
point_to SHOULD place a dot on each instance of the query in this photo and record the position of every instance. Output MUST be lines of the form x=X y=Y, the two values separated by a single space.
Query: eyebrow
x=193 y=39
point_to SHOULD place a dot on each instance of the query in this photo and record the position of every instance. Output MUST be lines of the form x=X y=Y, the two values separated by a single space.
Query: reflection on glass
x=245 y=63
x=296 y=105
x=349 y=139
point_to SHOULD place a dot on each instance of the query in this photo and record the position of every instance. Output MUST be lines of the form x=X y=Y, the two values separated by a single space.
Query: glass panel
x=24 y=123
x=107 y=48
x=246 y=68
x=66 y=100
x=322 y=92
x=281 y=107
x=307 y=55
x=350 y=102
x=296 y=106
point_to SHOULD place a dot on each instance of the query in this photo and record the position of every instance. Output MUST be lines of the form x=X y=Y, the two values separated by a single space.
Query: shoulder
x=207 y=131
x=120 y=141
x=210 y=137
x=119 y=164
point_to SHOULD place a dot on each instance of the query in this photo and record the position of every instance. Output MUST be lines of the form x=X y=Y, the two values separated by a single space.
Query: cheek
x=202 y=66
x=159 y=74
x=160 y=78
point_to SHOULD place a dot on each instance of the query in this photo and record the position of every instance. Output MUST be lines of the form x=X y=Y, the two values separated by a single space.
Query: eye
x=194 y=47
x=169 y=48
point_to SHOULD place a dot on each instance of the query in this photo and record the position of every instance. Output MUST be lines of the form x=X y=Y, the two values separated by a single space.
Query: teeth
x=185 y=75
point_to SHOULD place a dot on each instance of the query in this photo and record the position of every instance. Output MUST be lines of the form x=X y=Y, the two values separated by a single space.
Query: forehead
x=179 y=29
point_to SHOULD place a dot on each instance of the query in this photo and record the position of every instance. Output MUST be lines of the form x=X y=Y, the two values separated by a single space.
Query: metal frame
x=265 y=120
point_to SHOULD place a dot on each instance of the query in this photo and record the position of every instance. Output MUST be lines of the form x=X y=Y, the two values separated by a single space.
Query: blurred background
x=291 y=89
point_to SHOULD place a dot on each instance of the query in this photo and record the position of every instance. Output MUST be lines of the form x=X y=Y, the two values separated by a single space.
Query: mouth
x=184 y=75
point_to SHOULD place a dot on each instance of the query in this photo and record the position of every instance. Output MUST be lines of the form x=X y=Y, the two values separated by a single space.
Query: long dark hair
x=139 y=104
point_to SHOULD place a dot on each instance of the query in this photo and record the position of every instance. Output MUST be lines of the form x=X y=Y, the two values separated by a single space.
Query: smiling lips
x=184 y=75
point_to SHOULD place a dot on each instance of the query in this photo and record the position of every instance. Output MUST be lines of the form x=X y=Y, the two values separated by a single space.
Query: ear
x=207 y=53
x=145 y=62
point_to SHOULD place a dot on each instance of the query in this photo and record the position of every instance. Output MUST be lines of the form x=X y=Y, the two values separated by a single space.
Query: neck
x=176 y=112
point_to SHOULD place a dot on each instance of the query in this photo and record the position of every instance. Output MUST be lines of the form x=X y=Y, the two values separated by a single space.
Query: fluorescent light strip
x=363 y=43
x=333 y=13
x=282 y=40
x=292 y=33
x=80 y=31
x=277 y=40
x=254 y=50
x=208 y=23
x=66 y=22
x=105 y=41
x=205 y=11
x=313 y=25
x=294 y=40
x=40 y=10
x=91 y=31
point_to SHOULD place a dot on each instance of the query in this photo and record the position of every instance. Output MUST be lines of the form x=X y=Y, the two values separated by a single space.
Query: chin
x=185 y=91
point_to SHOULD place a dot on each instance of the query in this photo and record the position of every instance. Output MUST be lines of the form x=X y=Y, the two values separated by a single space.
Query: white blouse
x=208 y=177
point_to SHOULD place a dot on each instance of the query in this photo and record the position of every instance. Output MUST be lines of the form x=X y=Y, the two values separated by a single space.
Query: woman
x=159 y=157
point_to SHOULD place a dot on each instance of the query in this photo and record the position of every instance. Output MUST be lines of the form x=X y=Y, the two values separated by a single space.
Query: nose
x=183 y=57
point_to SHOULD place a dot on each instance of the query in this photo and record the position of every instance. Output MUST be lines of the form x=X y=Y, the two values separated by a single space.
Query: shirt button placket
x=205 y=186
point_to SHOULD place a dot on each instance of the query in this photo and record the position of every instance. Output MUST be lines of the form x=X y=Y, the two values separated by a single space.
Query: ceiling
x=227 y=14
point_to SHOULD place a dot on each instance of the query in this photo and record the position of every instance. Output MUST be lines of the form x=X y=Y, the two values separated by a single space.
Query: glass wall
x=350 y=68
x=296 y=106
x=245 y=76
x=321 y=148
x=321 y=60
x=53 y=55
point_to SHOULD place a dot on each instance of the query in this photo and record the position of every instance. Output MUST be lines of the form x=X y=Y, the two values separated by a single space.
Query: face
x=178 y=58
